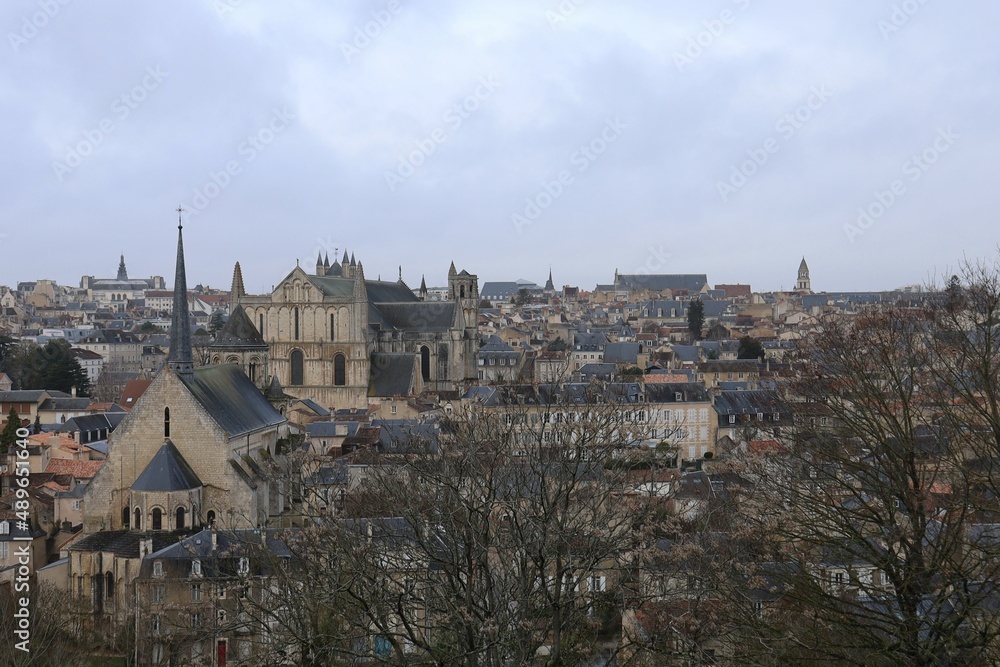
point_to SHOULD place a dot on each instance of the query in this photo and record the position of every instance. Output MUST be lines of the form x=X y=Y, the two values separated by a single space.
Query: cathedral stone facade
x=341 y=339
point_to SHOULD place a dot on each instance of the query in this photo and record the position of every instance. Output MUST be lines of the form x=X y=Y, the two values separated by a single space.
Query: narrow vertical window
x=333 y=330
x=166 y=422
x=297 y=368
x=296 y=311
x=425 y=363
x=179 y=523
x=138 y=519
x=339 y=370
x=157 y=519
x=260 y=320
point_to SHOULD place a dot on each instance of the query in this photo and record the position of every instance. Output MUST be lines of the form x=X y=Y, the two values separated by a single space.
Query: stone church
x=341 y=339
x=192 y=452
x=207 y=425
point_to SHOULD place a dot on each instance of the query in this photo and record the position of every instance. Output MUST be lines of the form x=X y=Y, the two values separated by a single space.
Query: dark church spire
x=238 y=291
x=122 y=273
x=180 y=359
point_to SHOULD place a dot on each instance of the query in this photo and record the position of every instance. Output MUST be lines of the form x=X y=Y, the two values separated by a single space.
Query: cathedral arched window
x=126 y=515
x=260 y=319
x=296 y=314
x=297 y=367
x=425 y=363
x=138 y=519
x=333 y=329
x=109 y=586
x=339 y=370
x=252 y=369
x=211 y=517
x=461 y=291
x=166 y=422
x=179 y=523
x=157 y=519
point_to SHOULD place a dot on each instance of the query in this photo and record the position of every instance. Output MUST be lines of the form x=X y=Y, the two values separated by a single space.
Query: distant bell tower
x=803 y=284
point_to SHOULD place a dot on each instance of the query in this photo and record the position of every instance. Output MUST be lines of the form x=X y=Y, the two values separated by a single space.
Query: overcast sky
x=729 y=137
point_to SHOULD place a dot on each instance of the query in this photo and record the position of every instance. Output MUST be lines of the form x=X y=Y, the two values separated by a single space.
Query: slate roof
x=416 y=316
x=123 y=543
x=329 y=429
x=23 y=395
x=167 y=471
x=240 y=332
x=666 y=392
x=231 y=399
x=391 y=374
x=690 y=282
x=64 y=404
x=622 y=353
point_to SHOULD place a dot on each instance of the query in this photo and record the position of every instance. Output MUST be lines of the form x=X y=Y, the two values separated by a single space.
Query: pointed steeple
x=423 y=289
x=122 y=273
x=326 y=261
x=180 y=359
x=360 y=290
x=346 y=260
x=238 y=291
x=549 y=286
x=353 y=263
x=451 y=270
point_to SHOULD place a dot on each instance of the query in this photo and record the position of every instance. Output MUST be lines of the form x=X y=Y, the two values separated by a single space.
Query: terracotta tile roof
x=78 y=469
x=134 y=389
x=764 y=447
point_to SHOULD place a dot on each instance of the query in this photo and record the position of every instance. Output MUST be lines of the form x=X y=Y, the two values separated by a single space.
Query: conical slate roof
x=168 y=471
x=239 y=332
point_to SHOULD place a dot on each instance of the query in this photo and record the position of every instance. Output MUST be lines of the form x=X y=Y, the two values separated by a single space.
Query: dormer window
x=157 y=568
x=244 y=566
x=196 y=568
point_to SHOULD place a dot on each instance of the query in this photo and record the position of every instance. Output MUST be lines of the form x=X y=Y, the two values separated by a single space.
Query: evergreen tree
x=9 y=435
x=750 y=348
x=696 y=318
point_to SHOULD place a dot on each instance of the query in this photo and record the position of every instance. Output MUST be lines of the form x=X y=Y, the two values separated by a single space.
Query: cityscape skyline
x=730 y=139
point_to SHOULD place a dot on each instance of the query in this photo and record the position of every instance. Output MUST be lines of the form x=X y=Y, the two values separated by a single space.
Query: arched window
x=333 y=328
x=461 y=291
x=296 y=311
x=109 y=586
x=339 y=370
x=157 y=519
x=166 y=422
x=211 y=517
x=260 y=320
x=179 y=524
x=138 y=519
x=252 y=369
x=297 y=363
x=425 y=363
x=126 y=515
